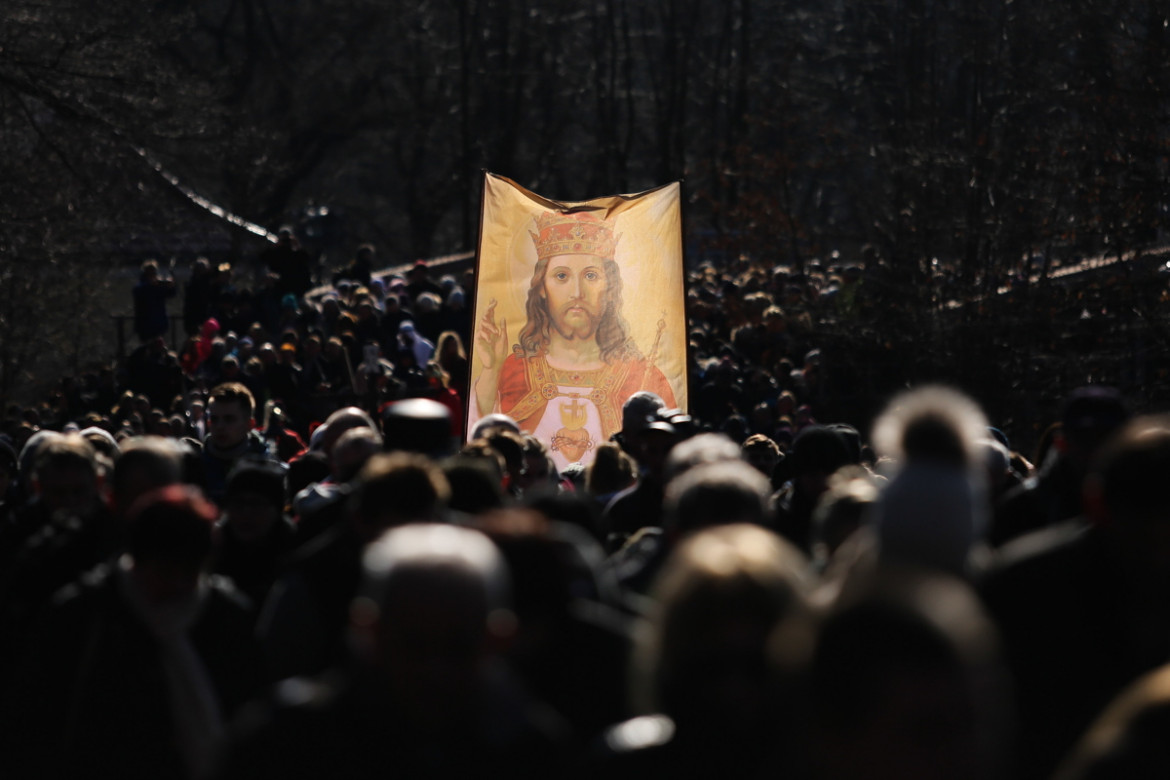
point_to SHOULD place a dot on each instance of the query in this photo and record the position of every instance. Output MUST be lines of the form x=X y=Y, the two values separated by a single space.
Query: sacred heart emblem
x=573 y=440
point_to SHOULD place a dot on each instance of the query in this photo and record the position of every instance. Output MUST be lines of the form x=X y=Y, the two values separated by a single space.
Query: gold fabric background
x=649 y=254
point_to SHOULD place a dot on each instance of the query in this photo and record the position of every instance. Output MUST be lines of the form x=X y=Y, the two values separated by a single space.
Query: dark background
x=953 y=143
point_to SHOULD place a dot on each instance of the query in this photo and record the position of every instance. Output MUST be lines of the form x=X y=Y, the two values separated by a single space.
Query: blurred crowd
x=275 y=552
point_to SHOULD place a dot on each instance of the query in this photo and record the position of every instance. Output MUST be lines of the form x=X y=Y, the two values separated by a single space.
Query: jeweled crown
x=573 y=234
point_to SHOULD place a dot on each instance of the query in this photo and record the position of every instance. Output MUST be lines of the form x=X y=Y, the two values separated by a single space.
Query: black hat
x=1093 y=412
x=819 y=448
x=418 y=425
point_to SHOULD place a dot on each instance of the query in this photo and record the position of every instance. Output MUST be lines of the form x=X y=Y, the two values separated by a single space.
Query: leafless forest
x=959 y=142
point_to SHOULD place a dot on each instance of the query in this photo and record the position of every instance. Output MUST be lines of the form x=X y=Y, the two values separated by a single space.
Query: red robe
x=528 y=384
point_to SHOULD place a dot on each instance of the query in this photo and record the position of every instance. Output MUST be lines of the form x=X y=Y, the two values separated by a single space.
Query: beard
x=576 y=321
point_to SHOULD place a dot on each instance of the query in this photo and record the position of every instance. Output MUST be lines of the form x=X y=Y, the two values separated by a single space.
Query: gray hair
x=433 y=555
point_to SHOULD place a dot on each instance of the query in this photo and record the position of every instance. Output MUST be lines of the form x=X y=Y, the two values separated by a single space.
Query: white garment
x=932 y=515
x=422 y=349
x=571 y=409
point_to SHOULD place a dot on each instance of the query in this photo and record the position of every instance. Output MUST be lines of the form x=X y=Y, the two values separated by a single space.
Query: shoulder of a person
x=622 y=498
x=256 y=442
x=320 y=554
x=91 y=587
x=222 y=593
x=643 y=544
x=305 y=694
x=1043 y=556
x=515 y=364
x=1045 y=542
x=275 y=733
x=1023 y=492
x=636 y=736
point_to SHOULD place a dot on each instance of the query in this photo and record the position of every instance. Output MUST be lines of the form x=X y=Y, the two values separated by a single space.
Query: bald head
x=339 y=422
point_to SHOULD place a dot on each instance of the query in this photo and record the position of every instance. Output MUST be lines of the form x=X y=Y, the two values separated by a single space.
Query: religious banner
x=578 y=305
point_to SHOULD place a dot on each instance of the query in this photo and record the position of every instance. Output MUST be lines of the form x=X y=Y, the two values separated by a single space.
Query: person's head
x=552 y=561
x=102 y=442
x=146 y=463
x=852 y=438
x=254 y=499
x=637 y=412
x=432 y=605
x=935 y=508
x=456 y=299
x=229 y=415
x=842 y=509
x=489 y=423
x=352 y=450
x=716 y=493
x=774 y=320
x=449 y=347
x=395 y=489
x=761 y=453
x=576 y=287
x=700 y=450
x=785 y=403
x=931 y=424
x=1127 y=741
x=169 y=540
x=427 y=303
x=1090 y=415
x=366 y=309
x=1125 y=492
x=336 y=424
x=288 y=354
x=906 y=683
x=511 y=448
x=65 y=475
x=652 y=447
x=538 y=472
x=309 y=468
x=816 y=453
x=229 y=367
x=703 y=658
x=366 y=254
x=418 y=425
x=406 y=333
x=476 y=477
x=611 y=470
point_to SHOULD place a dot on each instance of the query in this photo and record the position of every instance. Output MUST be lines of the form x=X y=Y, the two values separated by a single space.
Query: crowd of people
x=275 y=552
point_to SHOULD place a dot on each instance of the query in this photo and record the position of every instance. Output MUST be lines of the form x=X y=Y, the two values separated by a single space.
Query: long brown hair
x=445 y=337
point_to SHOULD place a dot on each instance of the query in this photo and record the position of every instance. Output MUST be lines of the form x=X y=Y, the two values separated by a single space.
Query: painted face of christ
x=574 y=289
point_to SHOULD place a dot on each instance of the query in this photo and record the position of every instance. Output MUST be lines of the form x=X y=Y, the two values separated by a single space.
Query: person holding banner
x=575 y=361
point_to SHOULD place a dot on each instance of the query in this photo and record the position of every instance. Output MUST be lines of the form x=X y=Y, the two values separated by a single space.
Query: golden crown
x=573 y=234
